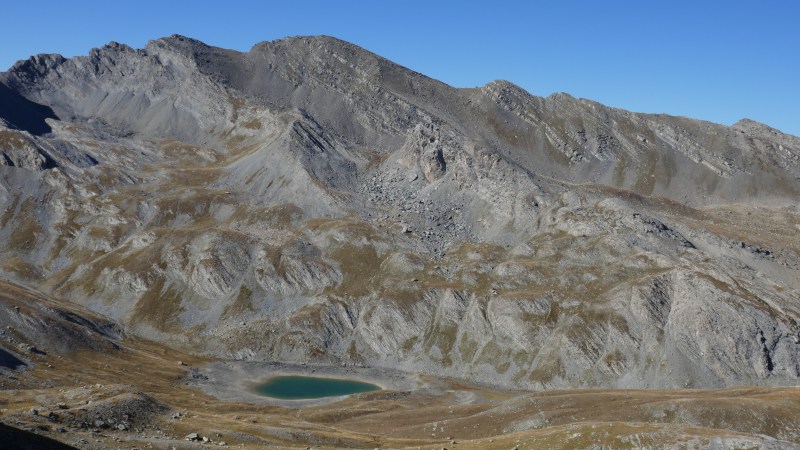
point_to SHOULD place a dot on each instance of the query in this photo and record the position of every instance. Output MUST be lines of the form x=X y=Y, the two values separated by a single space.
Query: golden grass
x=572 y=419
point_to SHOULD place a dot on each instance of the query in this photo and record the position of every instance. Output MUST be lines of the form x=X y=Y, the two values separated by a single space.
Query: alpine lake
x=295 y=387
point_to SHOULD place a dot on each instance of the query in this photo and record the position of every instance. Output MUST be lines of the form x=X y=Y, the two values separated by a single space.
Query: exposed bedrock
x=309 y=201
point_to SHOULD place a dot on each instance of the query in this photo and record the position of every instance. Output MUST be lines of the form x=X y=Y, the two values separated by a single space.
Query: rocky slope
x=33 y=325
x=310 y=201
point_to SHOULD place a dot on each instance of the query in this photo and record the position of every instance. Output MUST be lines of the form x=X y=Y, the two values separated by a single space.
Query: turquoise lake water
x=297 y=387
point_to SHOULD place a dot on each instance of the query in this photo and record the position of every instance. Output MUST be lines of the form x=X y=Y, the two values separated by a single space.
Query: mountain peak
x=177 y=42
x=755 y=127
x=37 y=63
x=310 y=202
x=179 y=39
x=362 y=97
x=303 y=185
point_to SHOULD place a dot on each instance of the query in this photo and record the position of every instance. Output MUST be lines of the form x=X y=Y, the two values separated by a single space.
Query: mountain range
x=311 y=202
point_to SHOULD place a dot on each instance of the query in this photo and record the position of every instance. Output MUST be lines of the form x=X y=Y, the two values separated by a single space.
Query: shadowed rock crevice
x=24 y=114
x=26 y=440
x=767 y=352
x=9 y=360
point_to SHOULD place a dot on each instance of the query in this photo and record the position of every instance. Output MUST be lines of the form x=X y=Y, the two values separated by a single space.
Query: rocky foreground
x=118 y=392
x=310 y=202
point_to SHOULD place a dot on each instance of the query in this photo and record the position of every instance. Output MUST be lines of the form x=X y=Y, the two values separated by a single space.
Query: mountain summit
x=309 y=201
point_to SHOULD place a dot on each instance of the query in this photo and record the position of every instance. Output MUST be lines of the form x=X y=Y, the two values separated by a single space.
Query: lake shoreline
x=237 y=380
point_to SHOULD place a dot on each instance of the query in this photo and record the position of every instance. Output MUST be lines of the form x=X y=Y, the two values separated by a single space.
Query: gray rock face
x=20 y=150
x=309 y=201
x=33 y=325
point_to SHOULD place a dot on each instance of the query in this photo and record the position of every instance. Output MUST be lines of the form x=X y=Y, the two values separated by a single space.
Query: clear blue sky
x=713 y=60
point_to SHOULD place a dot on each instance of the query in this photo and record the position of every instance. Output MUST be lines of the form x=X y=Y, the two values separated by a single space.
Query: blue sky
x=713 y=60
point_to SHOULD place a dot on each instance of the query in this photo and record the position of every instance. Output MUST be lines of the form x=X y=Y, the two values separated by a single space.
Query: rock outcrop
x=309 y=201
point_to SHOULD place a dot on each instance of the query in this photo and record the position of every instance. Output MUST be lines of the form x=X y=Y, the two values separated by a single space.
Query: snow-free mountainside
x=311 y=202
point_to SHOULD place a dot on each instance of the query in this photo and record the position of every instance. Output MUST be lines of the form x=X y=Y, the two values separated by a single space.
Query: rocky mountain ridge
x=311 y=201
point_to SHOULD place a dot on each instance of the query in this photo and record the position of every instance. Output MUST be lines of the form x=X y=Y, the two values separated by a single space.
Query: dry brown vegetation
x=474 y=417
